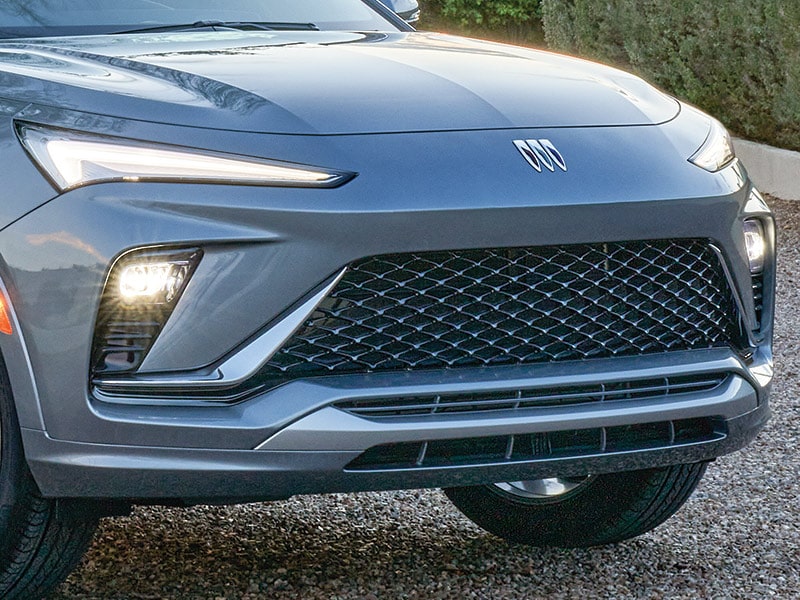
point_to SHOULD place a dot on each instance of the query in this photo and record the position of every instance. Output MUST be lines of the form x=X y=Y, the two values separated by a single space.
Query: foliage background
x=738 y=59
x=518 y=21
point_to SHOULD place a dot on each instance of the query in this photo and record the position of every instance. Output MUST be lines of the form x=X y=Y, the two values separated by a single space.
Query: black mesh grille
x=515 y=306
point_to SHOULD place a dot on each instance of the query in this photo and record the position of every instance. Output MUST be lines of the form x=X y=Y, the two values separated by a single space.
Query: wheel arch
x=15 y=359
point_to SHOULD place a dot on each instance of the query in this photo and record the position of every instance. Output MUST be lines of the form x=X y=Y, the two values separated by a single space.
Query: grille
x=511 y=306
x=758 y=298
x=122 y=345
x=540 y=446
x=650 y=389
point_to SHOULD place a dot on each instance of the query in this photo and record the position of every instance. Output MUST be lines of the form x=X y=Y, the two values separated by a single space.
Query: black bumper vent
x=511 y=306
x=646 y=389
x=540 y=446
x=758 y=299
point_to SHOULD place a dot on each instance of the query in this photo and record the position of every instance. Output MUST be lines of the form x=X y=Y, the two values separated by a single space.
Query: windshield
x=35 y=18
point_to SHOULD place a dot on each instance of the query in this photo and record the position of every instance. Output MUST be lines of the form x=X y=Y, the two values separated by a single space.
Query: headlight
x=717 y=151
x=72 y=159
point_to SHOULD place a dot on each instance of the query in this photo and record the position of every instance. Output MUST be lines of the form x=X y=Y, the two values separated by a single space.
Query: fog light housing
x=141 y=292
x=756 y=244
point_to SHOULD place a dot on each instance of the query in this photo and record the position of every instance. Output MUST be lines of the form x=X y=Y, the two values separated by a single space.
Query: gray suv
x=269 y=248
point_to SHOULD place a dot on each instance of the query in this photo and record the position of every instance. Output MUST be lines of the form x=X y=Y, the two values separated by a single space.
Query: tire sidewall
x=609 y=509
x=555 y=517
x=12 y=469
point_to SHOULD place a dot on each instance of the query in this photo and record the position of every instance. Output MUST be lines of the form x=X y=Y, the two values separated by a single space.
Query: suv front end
x=548 y=289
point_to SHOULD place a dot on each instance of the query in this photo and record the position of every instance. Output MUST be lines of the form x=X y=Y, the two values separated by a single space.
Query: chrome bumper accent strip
x=237 y=368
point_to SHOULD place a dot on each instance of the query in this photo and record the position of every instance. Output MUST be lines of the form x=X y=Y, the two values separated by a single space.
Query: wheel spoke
x=550 y=487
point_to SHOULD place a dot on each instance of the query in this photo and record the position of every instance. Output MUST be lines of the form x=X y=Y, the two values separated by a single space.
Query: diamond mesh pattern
x=514 y=306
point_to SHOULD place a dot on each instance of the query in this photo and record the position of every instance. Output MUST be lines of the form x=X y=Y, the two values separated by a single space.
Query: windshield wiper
x=237 y=25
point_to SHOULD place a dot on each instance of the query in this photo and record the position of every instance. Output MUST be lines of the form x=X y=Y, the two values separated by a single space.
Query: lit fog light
x=755 y=243
x=142 y=291
x=154 y=282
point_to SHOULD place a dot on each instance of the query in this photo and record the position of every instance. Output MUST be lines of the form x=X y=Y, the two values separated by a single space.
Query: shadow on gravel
x=354 y=546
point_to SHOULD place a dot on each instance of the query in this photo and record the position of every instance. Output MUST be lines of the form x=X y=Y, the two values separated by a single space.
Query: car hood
x=325 y=82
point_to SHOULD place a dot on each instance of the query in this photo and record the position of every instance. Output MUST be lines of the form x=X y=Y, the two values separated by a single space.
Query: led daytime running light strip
x=72 y=159
x=717 y=150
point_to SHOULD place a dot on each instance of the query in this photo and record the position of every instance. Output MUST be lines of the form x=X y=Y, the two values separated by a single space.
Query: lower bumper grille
x=758 y=299
x=511 y=306
x=651 y=389
x=539 y=446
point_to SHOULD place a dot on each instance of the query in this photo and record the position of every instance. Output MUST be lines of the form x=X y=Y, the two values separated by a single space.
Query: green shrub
x=739 y=59
x=509 y=20
x=492 y=13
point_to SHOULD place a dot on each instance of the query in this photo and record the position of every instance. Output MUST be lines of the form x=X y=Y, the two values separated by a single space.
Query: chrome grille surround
x=512 y=306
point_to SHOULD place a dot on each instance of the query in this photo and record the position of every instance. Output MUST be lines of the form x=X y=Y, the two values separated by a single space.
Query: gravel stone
x=737 y=537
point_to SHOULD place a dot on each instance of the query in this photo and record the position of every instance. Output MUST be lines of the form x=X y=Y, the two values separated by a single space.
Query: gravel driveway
x=738 y=537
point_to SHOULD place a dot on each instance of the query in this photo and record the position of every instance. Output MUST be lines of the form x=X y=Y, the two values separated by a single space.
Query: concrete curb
x=774 y=171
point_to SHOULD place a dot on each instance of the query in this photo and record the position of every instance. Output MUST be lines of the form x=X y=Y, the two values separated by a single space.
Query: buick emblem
x=541 y=154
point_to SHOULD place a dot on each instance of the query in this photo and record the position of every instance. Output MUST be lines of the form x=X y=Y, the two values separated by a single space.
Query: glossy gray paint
x=438 y=174
x=332 y=429
x=213 y=476
x=219 y=82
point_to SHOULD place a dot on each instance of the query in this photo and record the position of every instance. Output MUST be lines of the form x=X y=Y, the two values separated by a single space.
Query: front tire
x=41 y=540
x=588 y=511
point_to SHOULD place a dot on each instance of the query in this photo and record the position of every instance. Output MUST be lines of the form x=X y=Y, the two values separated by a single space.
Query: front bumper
x=263 y=253
x=314 y=453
